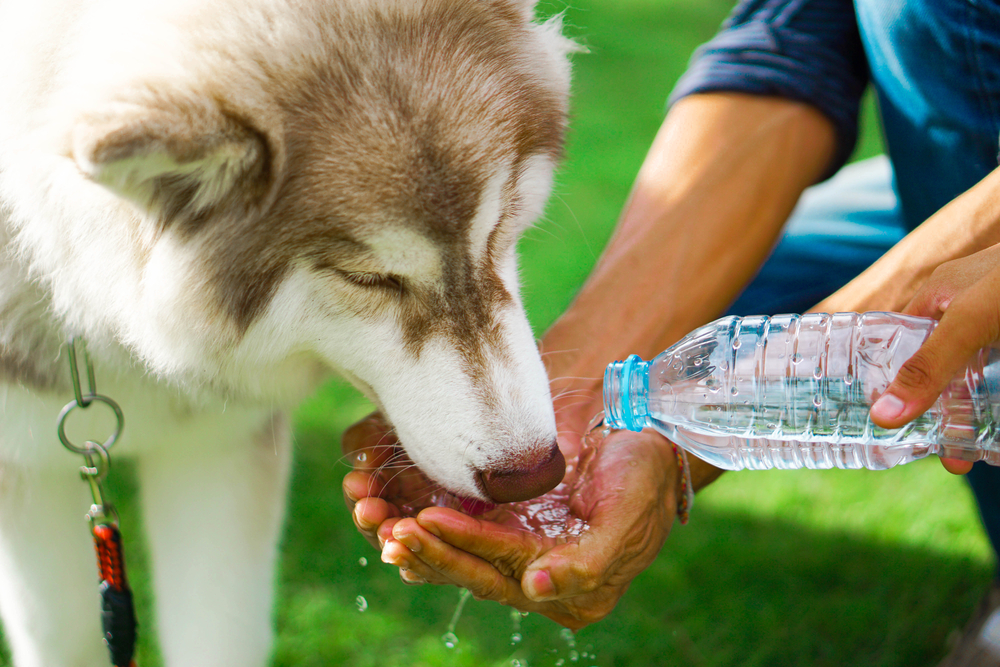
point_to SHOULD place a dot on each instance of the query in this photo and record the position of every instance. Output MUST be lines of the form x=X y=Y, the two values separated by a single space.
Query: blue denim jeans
x=935 y=67
x=838 y=229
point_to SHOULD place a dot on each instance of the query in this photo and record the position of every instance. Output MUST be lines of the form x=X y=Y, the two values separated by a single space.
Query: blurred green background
x=845 y=568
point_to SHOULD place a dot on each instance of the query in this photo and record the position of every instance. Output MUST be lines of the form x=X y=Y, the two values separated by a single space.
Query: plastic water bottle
x=794 y=391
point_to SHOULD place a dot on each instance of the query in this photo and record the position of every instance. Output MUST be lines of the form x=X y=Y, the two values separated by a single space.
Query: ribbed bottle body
x=794 y=391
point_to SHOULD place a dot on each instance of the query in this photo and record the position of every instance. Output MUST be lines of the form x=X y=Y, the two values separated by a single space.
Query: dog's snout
x=525 y=481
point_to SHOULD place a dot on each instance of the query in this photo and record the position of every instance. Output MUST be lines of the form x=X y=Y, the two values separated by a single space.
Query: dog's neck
x=30 y=335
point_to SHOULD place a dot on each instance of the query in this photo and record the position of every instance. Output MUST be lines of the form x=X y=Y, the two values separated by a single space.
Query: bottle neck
x=626 y=394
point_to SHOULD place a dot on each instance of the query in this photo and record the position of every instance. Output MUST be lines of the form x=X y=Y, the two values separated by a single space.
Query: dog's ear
x=176 y=160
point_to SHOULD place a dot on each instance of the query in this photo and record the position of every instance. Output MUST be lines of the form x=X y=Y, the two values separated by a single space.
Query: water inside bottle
x=795 y=391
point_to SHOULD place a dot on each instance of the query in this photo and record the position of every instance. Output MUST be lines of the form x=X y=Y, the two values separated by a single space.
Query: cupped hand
x=964 y=294
x=534 y=556
x=384 y=485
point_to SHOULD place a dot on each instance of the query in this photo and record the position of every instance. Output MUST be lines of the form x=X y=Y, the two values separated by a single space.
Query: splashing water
x=449 y=638
x=362 y=603
x=570 y=639
x=515 y=634
x=549 y=516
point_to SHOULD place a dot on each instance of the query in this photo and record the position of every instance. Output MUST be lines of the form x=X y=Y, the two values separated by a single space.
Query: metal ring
x=72 y=405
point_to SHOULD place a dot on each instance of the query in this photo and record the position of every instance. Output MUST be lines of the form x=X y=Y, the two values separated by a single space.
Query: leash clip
x=117 y=608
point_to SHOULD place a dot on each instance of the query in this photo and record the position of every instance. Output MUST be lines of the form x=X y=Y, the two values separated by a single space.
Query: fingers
x=359 y=485
x=971 y=322
x=633 y=490
x=956 y=466
x=434 y=559
x=373 y=517
x=508 y=549
x=412 y=570
x=367 y=438
x=951 y=279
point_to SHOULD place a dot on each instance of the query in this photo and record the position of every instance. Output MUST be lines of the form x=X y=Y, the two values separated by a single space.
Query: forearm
x=711 y=198
x=968 y=224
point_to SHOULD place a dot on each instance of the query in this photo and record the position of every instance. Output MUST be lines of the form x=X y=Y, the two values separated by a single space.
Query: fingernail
x=888 y=407
x=362 y=523
x=394 y=558
x=410 y=577
x=539 y=586
x=409 y=540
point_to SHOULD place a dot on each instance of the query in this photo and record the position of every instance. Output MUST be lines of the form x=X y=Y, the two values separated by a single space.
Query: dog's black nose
x=527 y=480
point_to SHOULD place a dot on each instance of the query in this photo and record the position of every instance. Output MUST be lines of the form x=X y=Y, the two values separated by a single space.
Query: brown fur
x=370 y=137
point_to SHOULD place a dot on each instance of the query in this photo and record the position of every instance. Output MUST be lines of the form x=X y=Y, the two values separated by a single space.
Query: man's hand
x=711 y=171
x=624 y=490
x=965 y=295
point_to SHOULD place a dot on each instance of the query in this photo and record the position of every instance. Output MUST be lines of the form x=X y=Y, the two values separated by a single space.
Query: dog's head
x=344 y=189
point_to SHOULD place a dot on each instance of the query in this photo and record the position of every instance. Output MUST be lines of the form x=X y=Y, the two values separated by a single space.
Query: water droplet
x=362 y=603
x=515 y=638
x=818 y=372
x=796 y=358
x=560 y=662
x=697 y=361
x=737 y=343
x=449 y=639
x=817 y=400
x=734 y=391
x=363 y=562
x=848 y=380
x=724 y=365
x=516 y=662
x=573 y=656
x=361 y=457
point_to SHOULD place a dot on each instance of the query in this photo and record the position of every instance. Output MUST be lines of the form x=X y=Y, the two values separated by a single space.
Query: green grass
x=779 y=568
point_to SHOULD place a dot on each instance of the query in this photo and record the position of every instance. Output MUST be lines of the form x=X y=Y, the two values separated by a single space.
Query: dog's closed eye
x=377 y=280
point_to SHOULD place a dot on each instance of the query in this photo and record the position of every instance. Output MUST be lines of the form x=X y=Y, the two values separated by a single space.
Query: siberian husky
x=229 y=200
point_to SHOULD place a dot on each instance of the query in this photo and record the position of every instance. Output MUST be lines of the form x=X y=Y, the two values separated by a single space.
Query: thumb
x=971 y=322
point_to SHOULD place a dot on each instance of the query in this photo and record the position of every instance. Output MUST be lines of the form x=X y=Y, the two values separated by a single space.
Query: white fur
x=80 y=253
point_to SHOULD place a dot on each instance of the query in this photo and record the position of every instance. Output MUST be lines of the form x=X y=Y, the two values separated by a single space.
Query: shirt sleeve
x=805 y=50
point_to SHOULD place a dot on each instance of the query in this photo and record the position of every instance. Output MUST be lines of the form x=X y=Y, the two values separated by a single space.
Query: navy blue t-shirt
x=934 y=64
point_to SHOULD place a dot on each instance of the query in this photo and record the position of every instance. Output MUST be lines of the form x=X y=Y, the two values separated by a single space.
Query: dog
x=231 y=200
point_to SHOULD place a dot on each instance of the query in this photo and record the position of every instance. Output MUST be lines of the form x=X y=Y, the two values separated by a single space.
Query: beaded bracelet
x=687 y=487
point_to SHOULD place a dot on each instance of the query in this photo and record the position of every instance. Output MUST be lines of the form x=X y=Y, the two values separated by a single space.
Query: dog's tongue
x=475 y=507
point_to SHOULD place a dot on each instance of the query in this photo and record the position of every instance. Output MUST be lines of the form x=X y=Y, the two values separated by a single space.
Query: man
x=767 y=108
